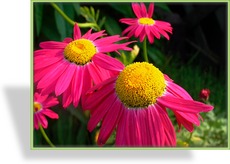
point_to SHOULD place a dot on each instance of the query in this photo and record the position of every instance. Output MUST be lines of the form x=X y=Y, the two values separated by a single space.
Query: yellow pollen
x=80 y=51
x=146 y=21
x=37 y=106
x=139 y=85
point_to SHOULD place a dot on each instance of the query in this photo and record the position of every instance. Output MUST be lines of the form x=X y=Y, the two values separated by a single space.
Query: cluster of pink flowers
x=132 y=100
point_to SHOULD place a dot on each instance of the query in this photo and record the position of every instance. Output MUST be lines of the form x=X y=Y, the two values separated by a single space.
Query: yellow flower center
x=146 y=21
x=37 y=106
x=139 y=85
x=80 y=51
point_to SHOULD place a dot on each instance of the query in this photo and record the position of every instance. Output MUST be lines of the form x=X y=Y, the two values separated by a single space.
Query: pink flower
x=204 y=94
x=42 y=103
x=144 y=25
x=134 y=103
x=68 y=67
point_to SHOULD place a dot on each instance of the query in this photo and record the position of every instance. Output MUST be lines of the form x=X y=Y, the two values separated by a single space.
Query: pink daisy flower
x=134 y=103
x=42 y=103
x=144 y=25
x=68 y=67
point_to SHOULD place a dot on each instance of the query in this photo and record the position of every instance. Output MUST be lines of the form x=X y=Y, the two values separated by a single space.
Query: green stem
x=70 y=21
x=145 y=55
x=45 y=136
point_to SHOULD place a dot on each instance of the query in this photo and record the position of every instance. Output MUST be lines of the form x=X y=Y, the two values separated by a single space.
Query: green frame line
x=122 y=148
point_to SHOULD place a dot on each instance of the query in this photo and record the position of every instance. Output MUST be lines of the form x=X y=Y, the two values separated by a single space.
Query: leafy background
x=195 y=57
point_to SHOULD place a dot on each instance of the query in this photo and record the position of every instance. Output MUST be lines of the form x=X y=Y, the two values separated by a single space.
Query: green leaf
x=112 y=27
x=60 y=22
x=38 y=17
x=163 y=6
x=76 y=7
x=124 y=9
x=92 y=11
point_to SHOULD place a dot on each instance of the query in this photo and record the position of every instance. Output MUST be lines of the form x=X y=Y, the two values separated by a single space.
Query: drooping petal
x=110 y=122
x=101 y=109
x=42 y=61
x=178 y=91
x=179 y=104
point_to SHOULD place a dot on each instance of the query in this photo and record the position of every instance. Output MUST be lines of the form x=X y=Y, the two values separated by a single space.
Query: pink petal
x=43 y=120
x=150 y=37
x=95 y=96
x=178 y=91
x=143 y=10
x=179 y=104
x=107 y=40
x=76 y=32
x=46 y=52
x=94 y=73
x=67 y=40
x=87 y=81
x=50 y=101
x=96 y=35
x=170 y=135
x=52 y=75
x=36 y=126
x=44 y=61
x=86 y=35
x=65 y=79
x=150 y=10
x=76 y=86
x=141 y=119
x=100 y=110
x=120 y=139
x=110 y=122
x=188 y=125
x=167 y=78
x=67 y=97
x=129 y=21
x=155 y=32
x=53 y=45
x=137 y=10
x=138 y=31
x=50 y=113
x=108 y=62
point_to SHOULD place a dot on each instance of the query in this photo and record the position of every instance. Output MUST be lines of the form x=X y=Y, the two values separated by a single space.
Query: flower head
x=68 y=67
x=135 y=101
x=204 y=94
x=144 y=25
x=42 y=103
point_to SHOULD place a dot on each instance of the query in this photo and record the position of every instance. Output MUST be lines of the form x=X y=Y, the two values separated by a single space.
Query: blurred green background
x=195 y=57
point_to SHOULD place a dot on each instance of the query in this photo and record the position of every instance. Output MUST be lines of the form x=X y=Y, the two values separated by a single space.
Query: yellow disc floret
x=80 y=51
x=146 y=21
x=37 y=106
x=139 y=85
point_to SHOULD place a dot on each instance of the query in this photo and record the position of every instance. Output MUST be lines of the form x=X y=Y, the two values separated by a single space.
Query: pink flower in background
x=204 y=94
x=144 y=26
x=42 y=103
x=134 y=103
x=68 y=68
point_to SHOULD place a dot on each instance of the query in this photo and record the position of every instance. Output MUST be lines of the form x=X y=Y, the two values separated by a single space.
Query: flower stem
x=145 y=55
x=45 y=136
x=70 y=21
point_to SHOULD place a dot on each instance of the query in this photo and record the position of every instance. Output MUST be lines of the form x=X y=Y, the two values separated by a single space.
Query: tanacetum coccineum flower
x=134 y=103
x=42 y=103
x=144 y=25
x=68 y=67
